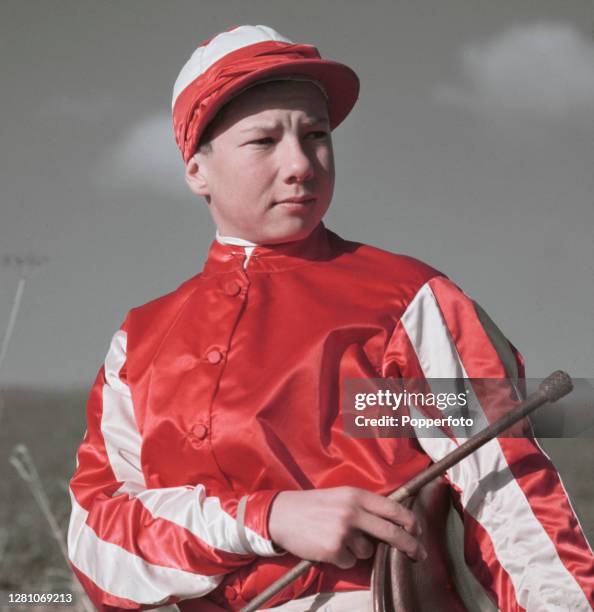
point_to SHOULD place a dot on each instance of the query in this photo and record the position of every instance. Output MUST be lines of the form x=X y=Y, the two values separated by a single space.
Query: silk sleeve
x=134 y=547
x=522 y=539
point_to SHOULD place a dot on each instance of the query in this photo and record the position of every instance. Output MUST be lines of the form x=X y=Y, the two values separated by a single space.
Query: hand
x=338 y=525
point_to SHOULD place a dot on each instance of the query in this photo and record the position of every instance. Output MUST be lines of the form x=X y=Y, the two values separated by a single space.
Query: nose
x=298 y=167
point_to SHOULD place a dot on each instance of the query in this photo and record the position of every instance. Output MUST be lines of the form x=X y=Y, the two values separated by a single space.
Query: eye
x=266 y=140
x=318 y=134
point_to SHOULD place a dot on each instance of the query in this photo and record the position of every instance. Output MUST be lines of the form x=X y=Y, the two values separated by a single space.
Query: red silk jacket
x=230 y=386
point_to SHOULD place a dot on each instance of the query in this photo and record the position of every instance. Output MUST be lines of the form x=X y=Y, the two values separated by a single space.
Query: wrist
x=253 y=523
x=275 y=521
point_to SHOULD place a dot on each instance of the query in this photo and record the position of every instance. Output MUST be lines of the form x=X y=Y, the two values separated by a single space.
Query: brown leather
x=408 y=586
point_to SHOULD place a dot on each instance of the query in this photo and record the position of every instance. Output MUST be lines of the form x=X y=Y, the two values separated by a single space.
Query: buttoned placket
x=214 y=317
x=232 y=287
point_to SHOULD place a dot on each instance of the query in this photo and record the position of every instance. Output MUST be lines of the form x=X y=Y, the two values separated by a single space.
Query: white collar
x=234 y=241
x=246 y=244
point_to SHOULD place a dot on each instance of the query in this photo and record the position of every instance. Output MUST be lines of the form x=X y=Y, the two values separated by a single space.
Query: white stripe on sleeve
x=111 y=567
x=186 y=506
x=489 y=492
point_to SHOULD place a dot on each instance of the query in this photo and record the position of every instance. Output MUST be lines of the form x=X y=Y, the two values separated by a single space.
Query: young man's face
x=272 y=142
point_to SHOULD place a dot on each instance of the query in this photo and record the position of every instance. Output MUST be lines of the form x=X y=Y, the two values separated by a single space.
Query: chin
x=287 y=234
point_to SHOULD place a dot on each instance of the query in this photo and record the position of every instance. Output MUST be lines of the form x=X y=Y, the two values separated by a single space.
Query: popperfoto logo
x=459 y=407
x=426 y=407
x=384 y=398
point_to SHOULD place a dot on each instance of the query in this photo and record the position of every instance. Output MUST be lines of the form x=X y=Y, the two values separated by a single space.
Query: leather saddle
x=441 y=583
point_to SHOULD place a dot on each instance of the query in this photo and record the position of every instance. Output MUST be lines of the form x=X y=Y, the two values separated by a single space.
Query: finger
x=345 y=559
x=361 y=546
x=392 y=534
x=391 y=510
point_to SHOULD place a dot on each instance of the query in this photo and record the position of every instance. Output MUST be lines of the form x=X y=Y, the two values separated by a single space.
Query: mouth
x=297 y=202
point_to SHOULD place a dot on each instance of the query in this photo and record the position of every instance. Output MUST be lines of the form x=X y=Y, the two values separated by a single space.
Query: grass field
x=51 y=424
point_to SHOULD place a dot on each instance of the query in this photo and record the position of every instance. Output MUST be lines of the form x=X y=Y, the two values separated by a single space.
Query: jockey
x=214 y=457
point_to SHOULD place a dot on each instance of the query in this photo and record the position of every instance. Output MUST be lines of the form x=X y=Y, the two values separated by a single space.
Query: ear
x=195 y=176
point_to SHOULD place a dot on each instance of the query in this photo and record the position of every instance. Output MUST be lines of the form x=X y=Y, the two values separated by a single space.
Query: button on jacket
x=230 y=387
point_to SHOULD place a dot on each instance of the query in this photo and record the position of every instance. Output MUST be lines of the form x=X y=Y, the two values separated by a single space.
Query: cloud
x=544 y=69
x=146 y=158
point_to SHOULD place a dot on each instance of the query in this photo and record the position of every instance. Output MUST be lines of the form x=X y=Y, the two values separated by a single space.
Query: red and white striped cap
x=236 y=59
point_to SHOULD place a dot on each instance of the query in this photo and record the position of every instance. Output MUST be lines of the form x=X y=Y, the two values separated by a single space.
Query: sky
x=471 y=147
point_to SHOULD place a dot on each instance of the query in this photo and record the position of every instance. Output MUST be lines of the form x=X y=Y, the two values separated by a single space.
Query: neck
x=226 y=252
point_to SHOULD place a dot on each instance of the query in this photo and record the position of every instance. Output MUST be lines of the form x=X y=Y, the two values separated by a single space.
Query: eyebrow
x=271 y=126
